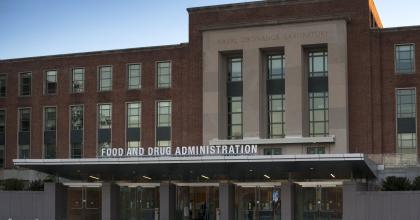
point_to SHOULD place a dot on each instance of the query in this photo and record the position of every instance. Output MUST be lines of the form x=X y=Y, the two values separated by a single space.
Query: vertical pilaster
x=252 y=89
x=167 y=197
x=295 y=91
x=227 y=201
x=110 y=197
x=287 y=200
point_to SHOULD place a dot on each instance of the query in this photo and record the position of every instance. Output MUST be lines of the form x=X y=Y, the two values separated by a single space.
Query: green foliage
x=416 y=183
x=13 y=184
x=36 y=185
x=393 y=183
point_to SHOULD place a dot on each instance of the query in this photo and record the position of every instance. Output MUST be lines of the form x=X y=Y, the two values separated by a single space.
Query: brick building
x=301 y=79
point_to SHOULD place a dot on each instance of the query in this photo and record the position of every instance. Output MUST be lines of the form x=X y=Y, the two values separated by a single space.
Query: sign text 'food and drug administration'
x=210 y=150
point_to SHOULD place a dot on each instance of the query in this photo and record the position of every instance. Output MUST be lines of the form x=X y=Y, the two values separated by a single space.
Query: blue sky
x=45 y=27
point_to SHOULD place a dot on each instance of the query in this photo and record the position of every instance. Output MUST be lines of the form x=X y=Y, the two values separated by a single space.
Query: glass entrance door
x=138 y=203
x=197 y=203
x=319 y=203
x=258 y=203
x=84 y=203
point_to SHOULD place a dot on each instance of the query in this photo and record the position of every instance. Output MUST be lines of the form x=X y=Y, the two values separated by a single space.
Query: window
x=105 y=78
x=25 y=87
x=315 y=150
x=318 y=93
x=133 y=124
x=404 y=58
x=104 y=116
x=134 y=76
x=2 y=134
x=164 y=74
x=276 y=97
x=50 y=84
x=406 y=121
x=235 y=120
x=163 y=127
x=24 y=132
x=78 y=80
x=50 y=126
x=3 y=85
x=272 y=151
x=76 y=117
x=76 y=133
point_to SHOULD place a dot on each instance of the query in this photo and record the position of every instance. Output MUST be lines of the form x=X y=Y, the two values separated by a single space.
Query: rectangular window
x=2 y=134
x=406 y=121
x=50 y=126
x=24 y=132
x=272 y=151
x=318 y=94
x=105 y=78
x=163 y=126
x=235 y=119
x=133 y=124
x=134 y=76
x=276 y=96
x=50 y=83
x=164 y=74
x=315 y=150
x=404 y=58
x=25 y=84
x=76 y=131
x=104 y=116
x=78 y=80
x=104 y=126
x=3 y=85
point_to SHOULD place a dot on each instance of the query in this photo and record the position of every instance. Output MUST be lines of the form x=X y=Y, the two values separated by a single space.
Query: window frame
x=396 y=118
x=18 y=130
x=44 y=129
x=70 y=129
x=5 y=86
x=45 y=82
x=157 y=120
x=126 y=121
x=230 y=114
x=98 y=127
x=20 y=84
x=157 y=74
x=5 y=138
x=128 y=76
x=396 y=71
x=99 y=79
x=72 y=80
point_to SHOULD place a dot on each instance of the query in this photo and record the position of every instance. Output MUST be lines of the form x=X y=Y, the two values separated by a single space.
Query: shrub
x=13 y=184
x=416 y=183
x=36 y=185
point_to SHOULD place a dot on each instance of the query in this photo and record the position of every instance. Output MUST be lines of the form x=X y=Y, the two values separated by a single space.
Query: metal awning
x=206 y=168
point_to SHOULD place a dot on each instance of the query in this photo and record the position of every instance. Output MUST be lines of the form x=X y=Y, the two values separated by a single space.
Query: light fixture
x=146 y=177
x=332 y=175
x=205 y=177
x=250 y=170
x=311 y=168
x=94 y=177
x=267 y=176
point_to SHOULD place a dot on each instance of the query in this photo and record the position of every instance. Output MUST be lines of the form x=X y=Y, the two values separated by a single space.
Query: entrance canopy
x=208 y=168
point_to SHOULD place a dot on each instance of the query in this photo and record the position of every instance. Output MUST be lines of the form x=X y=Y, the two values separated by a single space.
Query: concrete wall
x=377 y=205
x=30 y=205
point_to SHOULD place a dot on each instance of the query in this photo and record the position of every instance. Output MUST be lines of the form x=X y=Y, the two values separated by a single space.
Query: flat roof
x=319 y=166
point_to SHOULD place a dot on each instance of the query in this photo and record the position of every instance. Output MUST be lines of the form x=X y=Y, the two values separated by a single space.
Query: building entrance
x=258 y=202
x=139 y=203
x=197 y=202
x=319 y=203
x=84 y=203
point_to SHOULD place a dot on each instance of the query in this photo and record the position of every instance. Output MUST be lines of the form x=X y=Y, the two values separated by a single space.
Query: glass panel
x=50 y=119
x=105 y=78
x=78 y=80
x=234 y=69
x=164 y=113
x=3 y=85
x=105 y=117
x=76 y=117
x=76 y=151
x=25 y=84
x=133 y=115
x=164 y=74
x=197 y=202
x=134 y=76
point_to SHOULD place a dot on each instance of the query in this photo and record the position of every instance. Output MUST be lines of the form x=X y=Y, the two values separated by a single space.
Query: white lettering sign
x=231 y=150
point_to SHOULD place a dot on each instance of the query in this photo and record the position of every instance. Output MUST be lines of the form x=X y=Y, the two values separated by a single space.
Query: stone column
x=252 y=90
x=227 y=201
x=110 y=197
x=287 y=200
x=295 y=91
x=167 y=197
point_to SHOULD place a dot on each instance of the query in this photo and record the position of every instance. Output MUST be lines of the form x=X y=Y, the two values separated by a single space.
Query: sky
x=46 y=27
